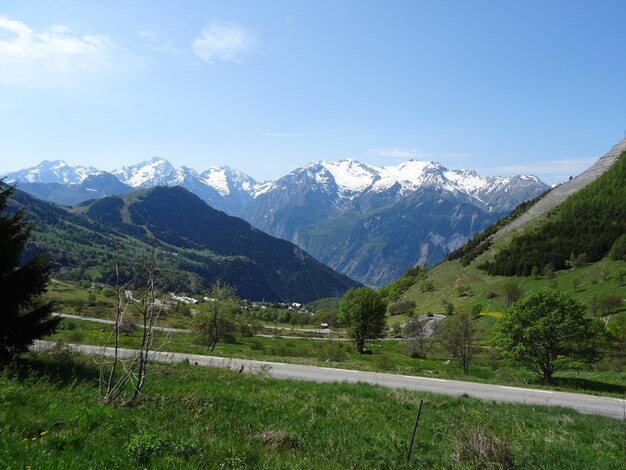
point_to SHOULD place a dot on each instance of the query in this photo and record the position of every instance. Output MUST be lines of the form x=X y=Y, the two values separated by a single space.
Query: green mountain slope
x=581 y=236
x=197 y=245
x=582 y=229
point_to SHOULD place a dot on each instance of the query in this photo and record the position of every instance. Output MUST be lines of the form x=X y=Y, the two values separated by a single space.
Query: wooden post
x=417 y=420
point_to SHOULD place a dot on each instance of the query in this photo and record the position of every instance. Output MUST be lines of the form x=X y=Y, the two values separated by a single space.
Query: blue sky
x=503 y=87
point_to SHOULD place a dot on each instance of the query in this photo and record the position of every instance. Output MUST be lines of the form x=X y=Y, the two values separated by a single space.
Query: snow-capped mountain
x=148 y=174
x=349 y=185
x=56 y=171
x=372 y=223
x=222 y=188
x=367 y=221
x=348 y=180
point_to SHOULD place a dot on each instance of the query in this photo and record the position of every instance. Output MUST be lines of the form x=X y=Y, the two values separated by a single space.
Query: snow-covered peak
x=351 y=175
x=56 y=171
x=145 y=174
x=467 y=180
x=217 y=179
x=224 y=180
x=410 y=175
x=181 y=175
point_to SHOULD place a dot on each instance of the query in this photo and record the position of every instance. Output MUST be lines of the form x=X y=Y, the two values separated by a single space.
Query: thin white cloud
x=168 y=48
x=50 y=57
x=148 y=33
x=568 y=166
x=284 y=134
x=225 y=42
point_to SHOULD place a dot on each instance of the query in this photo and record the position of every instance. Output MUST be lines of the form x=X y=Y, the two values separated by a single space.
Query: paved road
x=605 y=406
x=111 y=322
x=179 y=330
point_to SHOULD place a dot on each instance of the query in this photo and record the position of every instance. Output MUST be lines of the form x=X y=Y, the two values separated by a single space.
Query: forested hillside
x=584 y=228
x=196 y=245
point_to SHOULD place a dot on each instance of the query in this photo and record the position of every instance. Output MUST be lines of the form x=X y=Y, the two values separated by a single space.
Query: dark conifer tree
x=24 y=317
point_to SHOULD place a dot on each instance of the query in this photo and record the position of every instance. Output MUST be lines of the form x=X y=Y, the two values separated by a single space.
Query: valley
x=312 y=235
x=380 y=221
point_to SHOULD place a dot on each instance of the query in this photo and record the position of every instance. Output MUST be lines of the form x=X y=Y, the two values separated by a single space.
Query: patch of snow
x=216 y=178
x=351 y=175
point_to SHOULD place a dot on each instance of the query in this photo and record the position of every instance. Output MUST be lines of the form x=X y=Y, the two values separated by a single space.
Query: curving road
x=605 y=406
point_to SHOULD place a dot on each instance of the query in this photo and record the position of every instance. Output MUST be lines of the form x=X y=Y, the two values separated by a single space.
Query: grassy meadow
x=608 y=378
x=194 y=417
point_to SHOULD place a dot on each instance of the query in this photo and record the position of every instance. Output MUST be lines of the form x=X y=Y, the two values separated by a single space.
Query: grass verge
x=192 y=417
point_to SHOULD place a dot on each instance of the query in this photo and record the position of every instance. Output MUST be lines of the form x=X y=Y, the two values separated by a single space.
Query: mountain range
x=196 y=244
x=368 y=222
x=572 y=239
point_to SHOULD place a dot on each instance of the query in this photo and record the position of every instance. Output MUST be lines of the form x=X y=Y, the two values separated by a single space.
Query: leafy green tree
x=362 y=310
x=512 y=291
x=476 y=310
x=24 y=317
x=618 y=250
x=214 y=319
x=617 y=332
x=547 y=331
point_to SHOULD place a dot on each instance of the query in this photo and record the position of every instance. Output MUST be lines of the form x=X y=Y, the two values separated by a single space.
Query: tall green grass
x=192 y=417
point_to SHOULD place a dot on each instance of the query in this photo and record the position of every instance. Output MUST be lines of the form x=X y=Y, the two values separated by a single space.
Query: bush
x=229 y=338
x=279 y=440
x=142 y=447
x=108 y=292
x=128 y=324
x=334 y=353
x=76 y=336
x=257 y=346
x=384 y=362
x=400 y=307
x=478 y=447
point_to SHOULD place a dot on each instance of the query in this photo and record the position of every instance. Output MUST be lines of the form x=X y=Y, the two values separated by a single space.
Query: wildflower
x=34 y=439
x=44 y=433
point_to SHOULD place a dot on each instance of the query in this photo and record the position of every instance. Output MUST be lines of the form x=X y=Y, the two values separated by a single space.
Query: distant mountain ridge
x=197 y=245
x=351 y=179
x=312 y=202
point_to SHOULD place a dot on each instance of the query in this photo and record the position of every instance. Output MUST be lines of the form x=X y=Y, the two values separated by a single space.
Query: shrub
x=334 y=353
x=76 y=336
x=279 y=440
x=478 y=447
x=128 y=324
x=384 y=362
x=142 y=447
x=400 y=307
x=257 y=346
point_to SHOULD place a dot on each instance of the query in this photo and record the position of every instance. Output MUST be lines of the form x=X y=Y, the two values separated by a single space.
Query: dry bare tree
x=126 y=377
x=458 y=337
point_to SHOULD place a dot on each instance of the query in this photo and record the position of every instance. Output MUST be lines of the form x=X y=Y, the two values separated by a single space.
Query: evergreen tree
x=23 y=316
